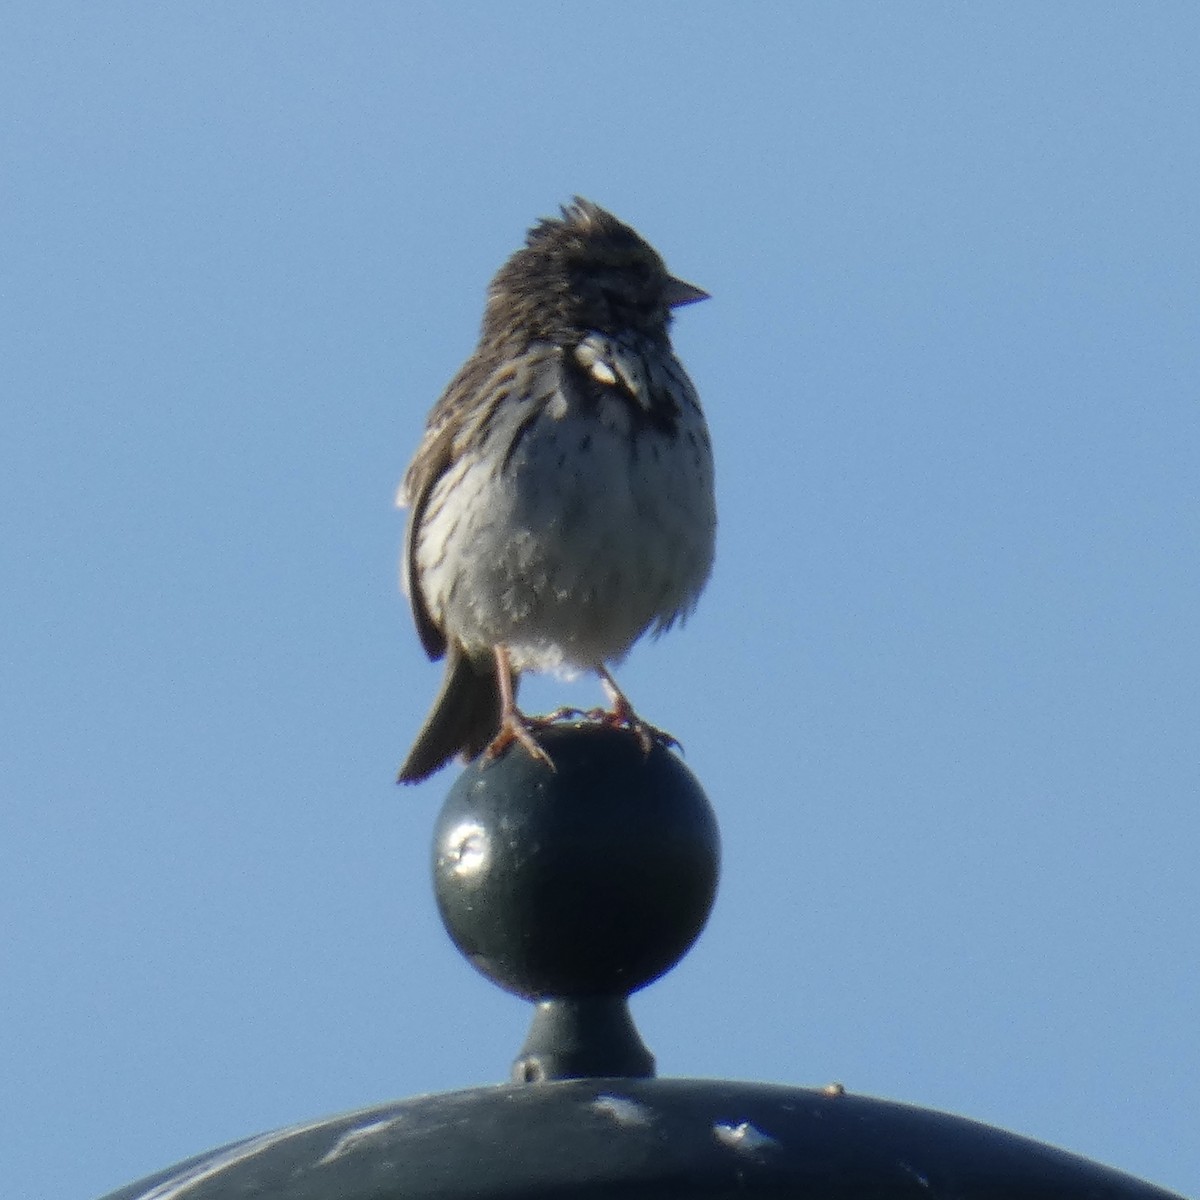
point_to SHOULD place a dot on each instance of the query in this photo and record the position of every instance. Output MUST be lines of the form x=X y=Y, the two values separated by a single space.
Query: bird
x=561 y=500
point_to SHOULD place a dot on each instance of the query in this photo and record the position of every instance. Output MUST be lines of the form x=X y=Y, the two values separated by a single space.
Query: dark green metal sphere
x=589 y=879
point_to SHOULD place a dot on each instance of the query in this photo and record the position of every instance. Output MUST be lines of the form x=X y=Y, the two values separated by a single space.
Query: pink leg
x=514 y=725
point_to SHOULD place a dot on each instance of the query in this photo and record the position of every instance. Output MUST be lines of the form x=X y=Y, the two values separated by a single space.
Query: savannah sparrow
x=561 y=500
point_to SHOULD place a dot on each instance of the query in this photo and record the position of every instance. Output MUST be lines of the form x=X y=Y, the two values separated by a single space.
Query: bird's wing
x=431 y=461
x=457 y=425
x=433 y=457
x=450 y=422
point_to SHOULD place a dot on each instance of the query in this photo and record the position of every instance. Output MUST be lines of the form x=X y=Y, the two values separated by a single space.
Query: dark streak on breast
x=519 y=436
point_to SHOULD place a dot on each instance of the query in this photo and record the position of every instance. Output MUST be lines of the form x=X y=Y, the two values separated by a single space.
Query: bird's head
x=584 y=271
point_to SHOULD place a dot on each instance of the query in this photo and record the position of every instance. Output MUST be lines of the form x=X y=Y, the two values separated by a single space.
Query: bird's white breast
x=597 y=526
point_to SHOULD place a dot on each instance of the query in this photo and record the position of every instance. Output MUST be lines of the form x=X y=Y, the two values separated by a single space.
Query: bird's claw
x=623 y=717
x=618 y=717
x=518 y=728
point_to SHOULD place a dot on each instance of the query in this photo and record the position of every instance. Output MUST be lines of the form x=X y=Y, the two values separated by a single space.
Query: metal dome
x=574 y=887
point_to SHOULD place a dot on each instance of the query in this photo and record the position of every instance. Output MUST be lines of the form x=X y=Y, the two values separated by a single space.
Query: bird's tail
x=465 y=716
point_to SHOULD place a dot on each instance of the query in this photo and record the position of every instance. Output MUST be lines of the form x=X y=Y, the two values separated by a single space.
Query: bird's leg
x=622 y=716
x=514 y=725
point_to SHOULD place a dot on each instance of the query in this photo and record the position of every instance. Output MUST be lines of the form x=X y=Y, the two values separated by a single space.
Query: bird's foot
x=517 y=727
x=622 y=716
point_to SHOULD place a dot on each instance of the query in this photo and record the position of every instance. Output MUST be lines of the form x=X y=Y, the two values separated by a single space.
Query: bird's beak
x=679 y=293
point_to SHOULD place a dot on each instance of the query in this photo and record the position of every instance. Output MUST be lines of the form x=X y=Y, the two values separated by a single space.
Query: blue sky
x=942 y=689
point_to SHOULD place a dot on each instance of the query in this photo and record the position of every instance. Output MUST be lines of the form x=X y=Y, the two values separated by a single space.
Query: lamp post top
x=574 y=886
